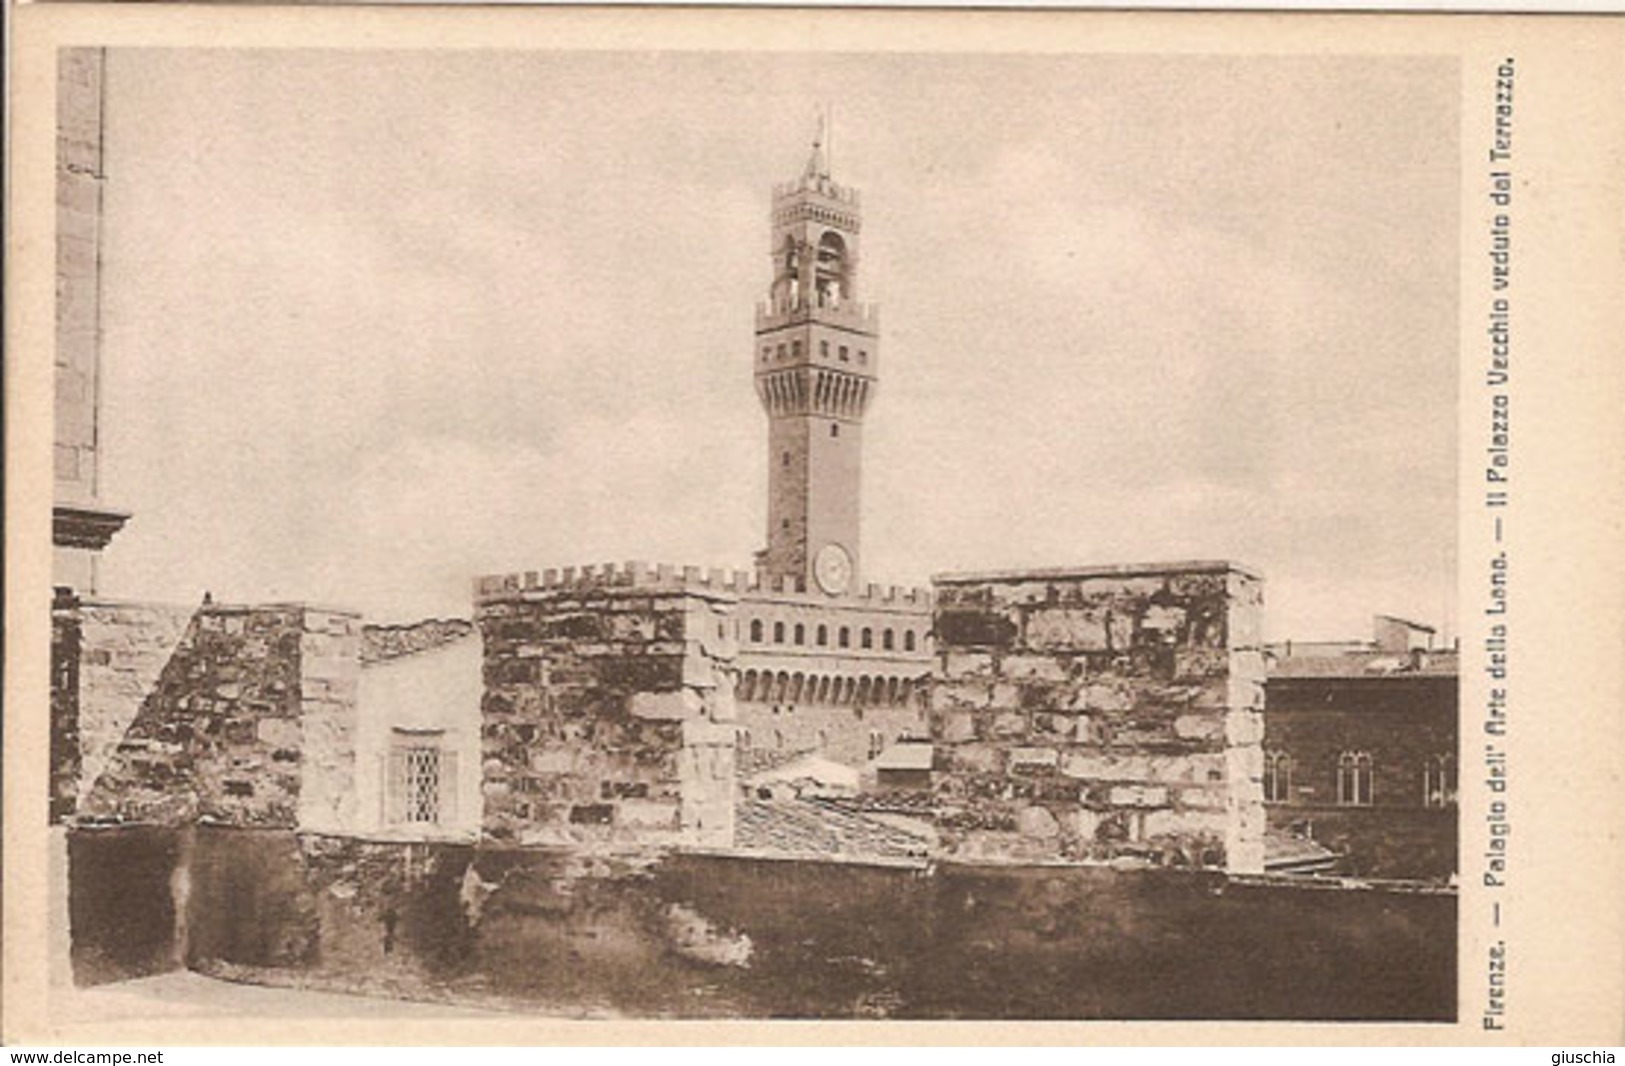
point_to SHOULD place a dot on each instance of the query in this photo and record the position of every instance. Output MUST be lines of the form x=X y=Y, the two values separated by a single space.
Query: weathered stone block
x=1192 y=823
x=671 y=706
x=1067 y=629
x=1199 y=727
x=648 y=814
x=1244 y=727
x=1037 y=822
x=1137 y=796
x=1033 y=758
x=957 y=664
x=1007 y=725
x=1200 y=663
x=962 y=628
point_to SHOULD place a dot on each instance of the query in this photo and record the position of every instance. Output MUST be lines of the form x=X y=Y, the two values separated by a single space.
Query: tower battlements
x=809 y=190
x=779 y=311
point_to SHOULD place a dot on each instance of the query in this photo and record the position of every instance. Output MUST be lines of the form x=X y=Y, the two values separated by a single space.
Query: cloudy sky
x=378 y=322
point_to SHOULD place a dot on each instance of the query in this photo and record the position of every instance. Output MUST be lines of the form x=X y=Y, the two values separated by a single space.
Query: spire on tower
x=818 y=163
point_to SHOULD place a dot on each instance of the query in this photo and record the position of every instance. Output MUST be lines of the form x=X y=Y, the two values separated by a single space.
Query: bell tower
x=817 y=356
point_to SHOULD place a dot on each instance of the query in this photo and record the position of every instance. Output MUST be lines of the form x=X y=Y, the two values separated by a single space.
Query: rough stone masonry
x=1104 y=713
x=232 y=715
x=608 y=707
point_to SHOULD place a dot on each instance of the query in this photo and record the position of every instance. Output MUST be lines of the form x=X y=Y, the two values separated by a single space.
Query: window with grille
x=422 y=782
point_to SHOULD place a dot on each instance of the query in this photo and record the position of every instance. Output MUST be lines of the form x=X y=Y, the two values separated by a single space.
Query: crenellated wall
x=1108 y=713
x=608 y=707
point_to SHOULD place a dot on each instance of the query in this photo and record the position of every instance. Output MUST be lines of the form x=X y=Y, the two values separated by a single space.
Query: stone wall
x=232 y=715
x=608 y=708
x=577 y=933
x=1103 y=713
x=106 y=659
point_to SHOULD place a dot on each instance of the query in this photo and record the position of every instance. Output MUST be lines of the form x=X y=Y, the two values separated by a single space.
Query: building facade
x=1360 y=751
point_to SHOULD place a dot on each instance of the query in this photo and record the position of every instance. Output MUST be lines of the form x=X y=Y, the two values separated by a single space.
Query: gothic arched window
x=868 y=637
x=1438 y=781
x=1354 y=779
x=1277 y=777
x=756 y=630
x=823 y=635
x=908 y=640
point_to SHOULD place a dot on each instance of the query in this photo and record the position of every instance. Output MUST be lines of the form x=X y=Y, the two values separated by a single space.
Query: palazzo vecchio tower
x=817 y=359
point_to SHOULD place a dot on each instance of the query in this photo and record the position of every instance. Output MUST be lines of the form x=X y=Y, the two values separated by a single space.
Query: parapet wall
x=608 y=708
x=1101 y=713
x=705 y=936
x=666 y=576
x=226 y=714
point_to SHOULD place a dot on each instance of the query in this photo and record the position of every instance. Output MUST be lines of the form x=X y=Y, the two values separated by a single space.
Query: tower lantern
x=816 y=364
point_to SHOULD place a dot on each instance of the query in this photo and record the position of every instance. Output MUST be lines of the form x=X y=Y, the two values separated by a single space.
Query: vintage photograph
x=748 y=534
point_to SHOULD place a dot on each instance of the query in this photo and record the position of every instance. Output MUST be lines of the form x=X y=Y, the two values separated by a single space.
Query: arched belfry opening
x=787 y=278
x=833 y=277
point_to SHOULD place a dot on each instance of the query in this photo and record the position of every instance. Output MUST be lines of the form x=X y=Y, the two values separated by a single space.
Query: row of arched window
x=1356 y=779
x=745 y=741
x=769 y=686
x=797 y=633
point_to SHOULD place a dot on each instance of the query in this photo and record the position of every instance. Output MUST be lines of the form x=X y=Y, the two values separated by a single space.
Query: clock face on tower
x=833 y=569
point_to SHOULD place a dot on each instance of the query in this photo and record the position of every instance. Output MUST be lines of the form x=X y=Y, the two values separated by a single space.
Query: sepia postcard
x=543 y=525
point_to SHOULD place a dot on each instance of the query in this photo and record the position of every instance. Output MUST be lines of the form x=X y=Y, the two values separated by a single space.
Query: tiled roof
x=752 y=761
x=1365 y=664
x=381 y=643
x=815 y=829
x=1285 y=851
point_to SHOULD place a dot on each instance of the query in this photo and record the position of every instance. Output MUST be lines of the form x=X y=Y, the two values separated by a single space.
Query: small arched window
x=778 y=632
x=823 y=635
x=835 y=429
x=868 y=638
x=845 y=638
x=908 y=640
x=801 y=633
x=756 y=630
x=886 y=640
